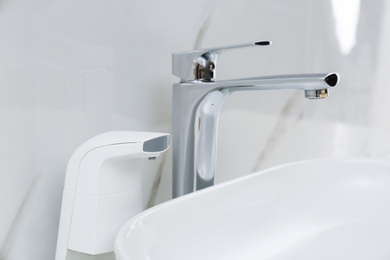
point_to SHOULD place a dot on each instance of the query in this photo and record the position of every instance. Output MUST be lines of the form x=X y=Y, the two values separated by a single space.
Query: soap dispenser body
x=103 y=189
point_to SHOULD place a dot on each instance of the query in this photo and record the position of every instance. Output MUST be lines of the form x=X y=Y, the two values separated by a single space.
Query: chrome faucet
x=197 y=101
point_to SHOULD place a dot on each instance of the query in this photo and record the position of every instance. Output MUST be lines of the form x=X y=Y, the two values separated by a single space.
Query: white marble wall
x=72 y=69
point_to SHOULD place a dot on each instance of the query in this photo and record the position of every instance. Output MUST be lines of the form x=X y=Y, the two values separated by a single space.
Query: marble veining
x=280 y=127
x=156 y=183
x=205 y=26
x=7 y=244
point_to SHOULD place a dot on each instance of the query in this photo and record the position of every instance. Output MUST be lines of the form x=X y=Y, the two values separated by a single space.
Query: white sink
x=318 y=209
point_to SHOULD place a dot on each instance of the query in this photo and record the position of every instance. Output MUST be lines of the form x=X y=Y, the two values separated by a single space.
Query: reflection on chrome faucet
x=197 y=101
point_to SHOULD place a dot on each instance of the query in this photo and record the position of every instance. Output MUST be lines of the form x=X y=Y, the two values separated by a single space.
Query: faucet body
x=197 y=101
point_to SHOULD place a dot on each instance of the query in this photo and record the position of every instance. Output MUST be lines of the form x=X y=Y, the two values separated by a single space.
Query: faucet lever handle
x=200 y=64
x=237 y=46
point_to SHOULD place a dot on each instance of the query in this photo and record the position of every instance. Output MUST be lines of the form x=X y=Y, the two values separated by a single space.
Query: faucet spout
x=299 y=81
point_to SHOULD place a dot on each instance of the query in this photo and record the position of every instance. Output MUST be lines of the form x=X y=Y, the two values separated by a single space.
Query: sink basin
x=317 y=209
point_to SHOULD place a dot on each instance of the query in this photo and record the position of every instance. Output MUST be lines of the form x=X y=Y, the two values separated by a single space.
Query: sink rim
x=120 y=248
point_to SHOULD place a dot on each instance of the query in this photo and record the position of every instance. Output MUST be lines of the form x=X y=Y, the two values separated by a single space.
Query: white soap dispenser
x=103 y=189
